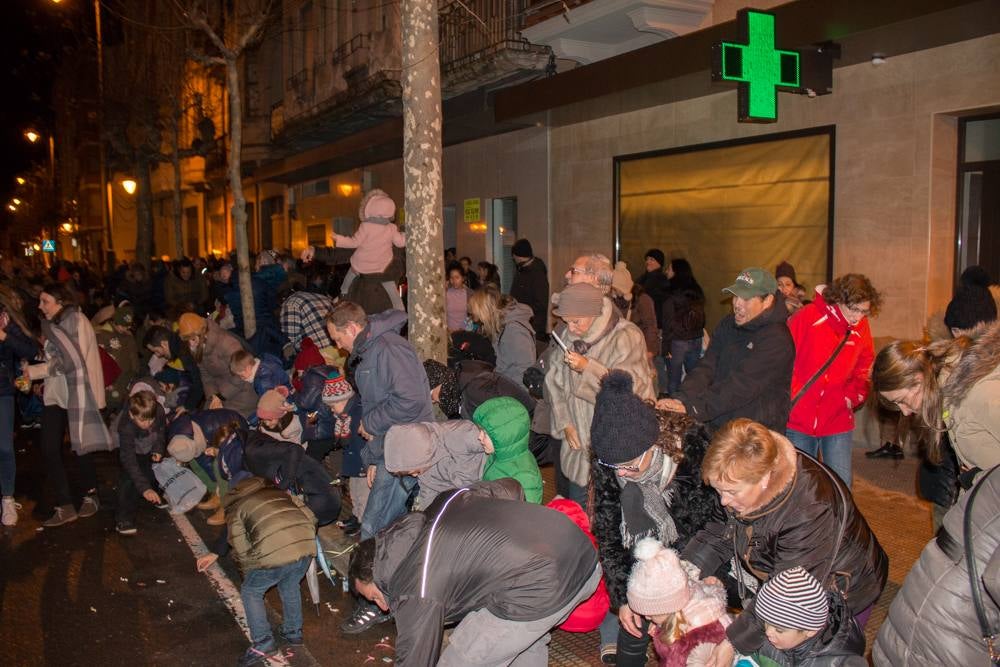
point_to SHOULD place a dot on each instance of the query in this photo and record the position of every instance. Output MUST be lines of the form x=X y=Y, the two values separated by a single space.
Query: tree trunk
x=175 y=161
x=239 y=201
x=428 y=330
x=144 y=213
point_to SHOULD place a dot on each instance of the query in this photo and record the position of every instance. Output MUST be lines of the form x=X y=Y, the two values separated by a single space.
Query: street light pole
x=105 y=214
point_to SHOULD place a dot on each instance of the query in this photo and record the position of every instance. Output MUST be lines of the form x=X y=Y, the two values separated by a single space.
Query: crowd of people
x=703 y=478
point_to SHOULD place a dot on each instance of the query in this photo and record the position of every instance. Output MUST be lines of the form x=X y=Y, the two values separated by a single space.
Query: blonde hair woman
x=507 y=324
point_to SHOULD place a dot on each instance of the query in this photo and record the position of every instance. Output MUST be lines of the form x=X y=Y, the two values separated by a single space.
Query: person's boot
x=217 y=519
x=887 y=451
x=63 y=515
x=10 y=509
x=89 y=506
x=210 y=503
x=366 y=616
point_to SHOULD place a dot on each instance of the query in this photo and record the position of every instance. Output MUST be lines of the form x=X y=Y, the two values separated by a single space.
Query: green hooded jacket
x=507 y=423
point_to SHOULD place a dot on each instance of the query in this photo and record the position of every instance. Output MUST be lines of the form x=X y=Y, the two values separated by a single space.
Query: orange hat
x=190 y=324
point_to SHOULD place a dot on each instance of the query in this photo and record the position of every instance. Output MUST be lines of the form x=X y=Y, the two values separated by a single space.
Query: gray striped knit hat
x=793 y=599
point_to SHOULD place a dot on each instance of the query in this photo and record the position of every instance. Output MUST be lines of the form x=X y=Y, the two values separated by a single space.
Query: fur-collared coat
x=572 y=395
x=692 y=503
x=972 y=402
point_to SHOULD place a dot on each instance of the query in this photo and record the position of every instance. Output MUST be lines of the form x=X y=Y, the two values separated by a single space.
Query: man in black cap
x=531 y=285
x=747 y=369
x=506 y=571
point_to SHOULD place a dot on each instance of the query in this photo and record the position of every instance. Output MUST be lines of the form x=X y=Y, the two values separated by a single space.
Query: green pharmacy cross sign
x=760 y=69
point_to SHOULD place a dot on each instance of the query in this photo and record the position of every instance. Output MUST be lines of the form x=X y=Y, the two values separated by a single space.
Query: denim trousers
x=386 y=501
x=684 y=356
x=835 y=450
x=258 y=582
x=8 y=465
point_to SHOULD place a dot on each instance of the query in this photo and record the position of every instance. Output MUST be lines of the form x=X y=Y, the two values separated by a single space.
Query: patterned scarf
x=645 y=502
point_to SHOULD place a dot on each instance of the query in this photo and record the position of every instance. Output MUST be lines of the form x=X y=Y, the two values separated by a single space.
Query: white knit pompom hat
x=658 y=583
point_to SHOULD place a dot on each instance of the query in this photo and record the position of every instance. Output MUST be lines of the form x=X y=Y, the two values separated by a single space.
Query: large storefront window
x=727 y=206
x=978 y=234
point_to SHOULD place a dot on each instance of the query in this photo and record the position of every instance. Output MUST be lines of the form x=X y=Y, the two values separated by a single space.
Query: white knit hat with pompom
x=658 y=583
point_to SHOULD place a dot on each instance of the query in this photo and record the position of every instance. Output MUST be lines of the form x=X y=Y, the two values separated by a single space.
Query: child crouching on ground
x=264 y=372
x=273 y=535
x=141 y=433
x=805 y=625
x=689 y=616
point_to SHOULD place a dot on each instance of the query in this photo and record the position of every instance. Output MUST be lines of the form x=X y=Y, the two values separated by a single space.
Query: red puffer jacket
x=827 y=408
x=589 y=613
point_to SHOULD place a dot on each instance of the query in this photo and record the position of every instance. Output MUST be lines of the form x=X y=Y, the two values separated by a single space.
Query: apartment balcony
x=589 y=31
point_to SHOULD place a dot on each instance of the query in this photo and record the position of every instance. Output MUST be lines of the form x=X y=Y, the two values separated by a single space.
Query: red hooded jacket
x=588 y=615
x=827 y=408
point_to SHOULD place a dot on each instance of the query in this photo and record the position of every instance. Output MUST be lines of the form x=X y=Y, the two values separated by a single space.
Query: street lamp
x=129 y=186
x=11 y=208
x=20 y=180
x=17 y=202
x=32 y=136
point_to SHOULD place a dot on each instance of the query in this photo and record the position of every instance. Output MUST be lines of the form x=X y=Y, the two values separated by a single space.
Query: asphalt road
x=81 y=594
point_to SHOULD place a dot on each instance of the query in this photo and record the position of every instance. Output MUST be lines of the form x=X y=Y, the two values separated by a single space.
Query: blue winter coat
x=309 y=401
x=270 y=374
x=390 y=380
x=16 y=347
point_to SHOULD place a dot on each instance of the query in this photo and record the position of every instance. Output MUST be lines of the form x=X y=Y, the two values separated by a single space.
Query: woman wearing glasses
x=646 y=479
x=833 y=360
x=953 y=385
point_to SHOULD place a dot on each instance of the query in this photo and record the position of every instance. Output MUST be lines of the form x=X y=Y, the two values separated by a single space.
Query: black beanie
x=521 y=248
x=971 y=305
x=658 y=255
x=624 y=425
x=439 y=374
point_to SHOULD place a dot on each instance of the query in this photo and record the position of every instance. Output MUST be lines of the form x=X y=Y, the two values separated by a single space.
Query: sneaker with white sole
x=10 y=509
x=365 y=616
x=63 y=514
x=126 y=528
x=89 y=506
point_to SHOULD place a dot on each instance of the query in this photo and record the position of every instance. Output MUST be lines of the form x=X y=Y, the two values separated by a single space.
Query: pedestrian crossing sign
x=48 y=245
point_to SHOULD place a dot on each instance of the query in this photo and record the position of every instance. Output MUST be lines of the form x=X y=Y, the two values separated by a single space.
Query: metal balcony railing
x=351 y=46
x=473 y=26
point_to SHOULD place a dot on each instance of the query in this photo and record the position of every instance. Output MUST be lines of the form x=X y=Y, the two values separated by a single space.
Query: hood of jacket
x=245 y=488
x=518 y=312
x=379 y=324
x=410 y=447
x=507 y=423
x=979 y=360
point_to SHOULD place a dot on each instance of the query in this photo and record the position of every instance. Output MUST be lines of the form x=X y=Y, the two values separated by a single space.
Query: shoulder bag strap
x=822 y=369
x=989 y=630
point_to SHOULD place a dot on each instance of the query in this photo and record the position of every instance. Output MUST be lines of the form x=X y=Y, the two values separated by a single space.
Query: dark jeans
x=258 y=582
x=386 y=502
x=128 y=494
x=55 y=423
x=684 y=356
x=8 y=464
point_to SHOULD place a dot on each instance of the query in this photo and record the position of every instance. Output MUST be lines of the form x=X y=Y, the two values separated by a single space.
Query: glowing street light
x=17 y=202
x=11 y=208
x=32 y=136
x=20 y=180
x=129 y=186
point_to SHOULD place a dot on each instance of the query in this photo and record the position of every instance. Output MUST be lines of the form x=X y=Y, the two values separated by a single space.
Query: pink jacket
x=374 y=243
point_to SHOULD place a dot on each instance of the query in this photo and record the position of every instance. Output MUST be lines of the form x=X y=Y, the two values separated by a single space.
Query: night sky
x=35 y=35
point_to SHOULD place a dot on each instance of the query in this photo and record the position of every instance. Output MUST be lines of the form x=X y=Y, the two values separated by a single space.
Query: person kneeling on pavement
x=140 y=430
x=506 y=571
x=273 y=535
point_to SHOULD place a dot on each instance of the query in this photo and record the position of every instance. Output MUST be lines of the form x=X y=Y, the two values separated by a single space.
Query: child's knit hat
x=336 y=388
x=273 y=404
x=793 y=599
x=658 y=583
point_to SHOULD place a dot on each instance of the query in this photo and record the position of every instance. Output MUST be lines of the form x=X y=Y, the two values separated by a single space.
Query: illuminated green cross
x=758 y=67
